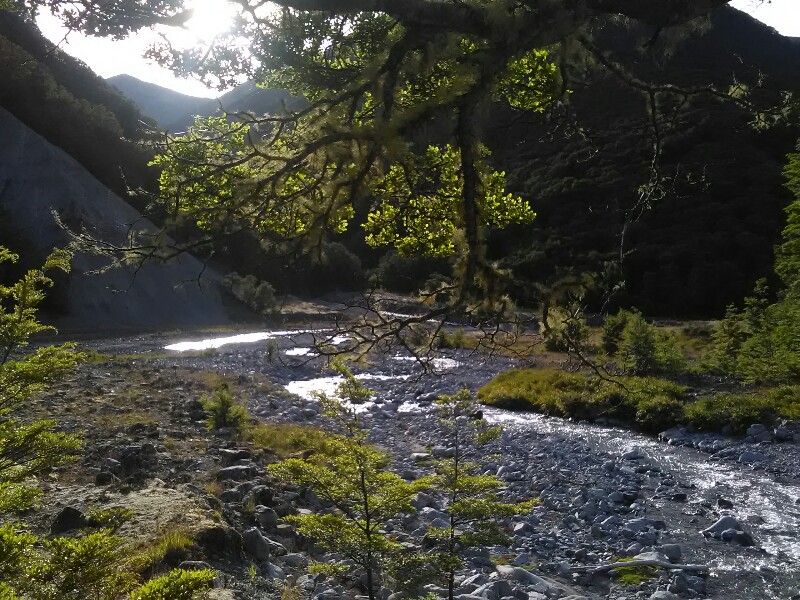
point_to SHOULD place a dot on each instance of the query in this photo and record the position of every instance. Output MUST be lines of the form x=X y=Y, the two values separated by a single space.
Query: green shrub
x=647 y=401
x=739 y=411
x=640 y=348
x=224 y=411
x=565 y=334
x=178 y=584
x=612 y=328
x=256 y=294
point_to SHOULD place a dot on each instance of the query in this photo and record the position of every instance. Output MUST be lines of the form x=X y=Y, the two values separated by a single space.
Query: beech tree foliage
x=392 y=128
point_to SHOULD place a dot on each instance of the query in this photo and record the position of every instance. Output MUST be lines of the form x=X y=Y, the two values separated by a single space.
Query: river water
x=768 y=505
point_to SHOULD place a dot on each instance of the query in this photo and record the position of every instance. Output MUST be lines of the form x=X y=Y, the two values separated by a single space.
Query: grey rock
x=69 y=519
x=255 y=544
x=236 y=473
x=266 y=517
x=295 y=560
x=672 y=551
x=756 y=429
x=494 y=590
x=423 y=500
x=664 y=595
x=752 y=457
x=229 y=496
x=723 y=523
x=104 y=478
x=229 y=456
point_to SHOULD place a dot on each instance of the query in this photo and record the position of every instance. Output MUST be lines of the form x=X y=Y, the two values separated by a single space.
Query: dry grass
x=284 y=440
x=170 y=547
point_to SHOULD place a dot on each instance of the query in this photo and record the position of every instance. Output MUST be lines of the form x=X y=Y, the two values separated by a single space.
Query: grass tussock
x=285 y=440
x=650 y=403
x=635 y=575
x=170 y=548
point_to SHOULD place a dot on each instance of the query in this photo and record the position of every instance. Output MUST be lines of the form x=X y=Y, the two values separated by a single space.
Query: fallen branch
x=639 y=563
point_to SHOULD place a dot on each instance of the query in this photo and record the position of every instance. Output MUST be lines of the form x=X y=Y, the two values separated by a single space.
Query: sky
x=107 y=57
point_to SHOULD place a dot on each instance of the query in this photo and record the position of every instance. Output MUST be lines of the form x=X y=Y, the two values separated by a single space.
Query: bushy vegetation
x=94 y=565
x=649 y=402
x=638 y=347
x=224 y=411
x=178 y=584
x=257 y=295
x=760 y=342
x=65 y=102
x=738 y=411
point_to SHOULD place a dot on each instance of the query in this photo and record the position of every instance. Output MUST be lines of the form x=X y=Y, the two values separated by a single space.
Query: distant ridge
x=175 y=112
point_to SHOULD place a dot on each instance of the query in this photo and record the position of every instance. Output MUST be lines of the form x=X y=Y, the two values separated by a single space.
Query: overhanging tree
x=392 y=132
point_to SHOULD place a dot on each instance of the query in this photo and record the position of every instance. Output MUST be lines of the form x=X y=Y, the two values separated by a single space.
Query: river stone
x=524 y=576
x=494 y=590
x=652 y=555
x=664 y=595
x=69 y=519
x=756 y=429
x=635 y=454
x=723 y=503
x=255 y=544
x=752 y=457
x=724 y=523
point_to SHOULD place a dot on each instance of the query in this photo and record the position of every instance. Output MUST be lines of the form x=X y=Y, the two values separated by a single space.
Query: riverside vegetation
x=94 y=565
x=643 y=376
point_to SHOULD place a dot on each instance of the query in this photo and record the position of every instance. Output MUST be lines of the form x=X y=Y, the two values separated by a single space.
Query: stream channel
x=765 y=501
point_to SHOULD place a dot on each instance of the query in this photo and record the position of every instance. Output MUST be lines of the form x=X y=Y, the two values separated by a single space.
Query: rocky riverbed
x=728 y=510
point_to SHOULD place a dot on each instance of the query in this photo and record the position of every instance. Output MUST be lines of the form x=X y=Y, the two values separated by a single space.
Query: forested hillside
x=63 y=100
x=694 y=247
x=704 y=242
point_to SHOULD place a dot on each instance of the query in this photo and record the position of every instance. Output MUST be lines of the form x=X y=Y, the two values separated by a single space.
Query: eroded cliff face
x=38 y=179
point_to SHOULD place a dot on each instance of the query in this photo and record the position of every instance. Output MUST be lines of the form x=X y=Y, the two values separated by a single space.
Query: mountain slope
x=60 y=98
x=175 y=112
x=172 y=110
x=703 y=244
x=37 y=179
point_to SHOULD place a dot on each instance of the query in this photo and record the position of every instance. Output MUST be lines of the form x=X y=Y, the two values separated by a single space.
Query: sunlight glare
x=210 y=18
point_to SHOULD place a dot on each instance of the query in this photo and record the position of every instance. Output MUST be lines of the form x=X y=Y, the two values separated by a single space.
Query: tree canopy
x=391 y=139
